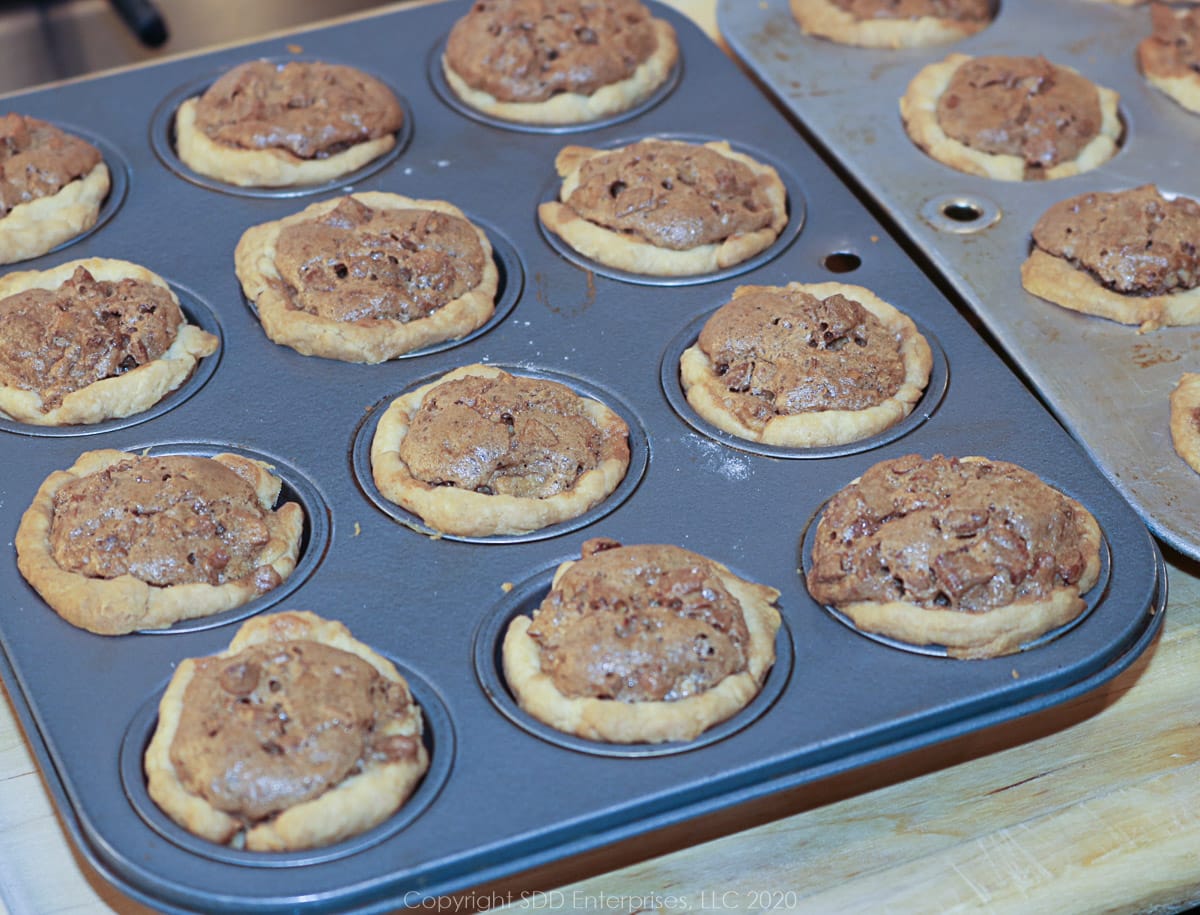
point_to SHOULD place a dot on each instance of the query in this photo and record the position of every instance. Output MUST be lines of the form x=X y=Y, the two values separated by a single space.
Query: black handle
x=144 y=19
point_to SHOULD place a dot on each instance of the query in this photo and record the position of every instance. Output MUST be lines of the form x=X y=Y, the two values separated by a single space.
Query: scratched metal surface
x=504 y=795
x=1108 y=384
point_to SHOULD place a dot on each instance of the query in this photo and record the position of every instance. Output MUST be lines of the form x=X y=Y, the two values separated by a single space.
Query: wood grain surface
x=1093 y=806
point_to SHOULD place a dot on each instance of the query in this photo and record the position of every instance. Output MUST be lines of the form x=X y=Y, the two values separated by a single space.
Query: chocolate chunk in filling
x=638 y=624
x=956 y=10
x=671 y=195
x=527 y=51
x=309 y=109
x=515 y=436
x=168 y=520
x=782 y=352
x=357 y=263
x=1020 y=106
x=946 y=534
x=56 y=341
x=1134 y=241
x=1173 y=47
x=279 y=724
x=38 y=160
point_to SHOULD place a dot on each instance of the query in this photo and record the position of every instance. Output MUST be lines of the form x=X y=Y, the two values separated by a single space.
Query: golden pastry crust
x=265 y=167
x=996 y=631
x=368 y=340
x=1185 y=419
x=574 y=107
x=124 y=604
x=117 y=396
x=1155 y=63
x=918 y=109
x=466 y=513
x=1183 y=89
x=710 y=397
x=1056 y=280
x=614 y=721
x=356 y=804
x=824 y=19
x=635 y=255
x=31 y=229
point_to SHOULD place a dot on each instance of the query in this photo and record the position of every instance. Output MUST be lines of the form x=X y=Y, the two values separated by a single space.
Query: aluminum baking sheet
x=1107 y=383
x=505 y=794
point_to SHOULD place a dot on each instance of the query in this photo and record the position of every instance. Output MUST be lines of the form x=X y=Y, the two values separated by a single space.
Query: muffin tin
x=1107 y=383
x=502 y=795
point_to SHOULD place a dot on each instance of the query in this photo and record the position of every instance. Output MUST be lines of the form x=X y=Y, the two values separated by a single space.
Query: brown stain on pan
x=542 y=294
x=1147 y=354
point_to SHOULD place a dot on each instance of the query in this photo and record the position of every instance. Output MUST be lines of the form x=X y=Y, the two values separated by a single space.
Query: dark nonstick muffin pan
x=502 y=794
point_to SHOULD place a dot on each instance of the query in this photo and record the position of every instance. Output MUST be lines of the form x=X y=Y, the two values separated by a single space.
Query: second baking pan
x=1107 y=383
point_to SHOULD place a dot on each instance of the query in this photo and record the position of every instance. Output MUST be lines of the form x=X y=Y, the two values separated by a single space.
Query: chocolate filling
x=1021 y=106
x=1133 y=242
x=1173 y=47
x=357 y=263
x=168 y=520
x=281 y=723
x=956 y=10
x=946 y=534
x=672 y=195
x=528 y=51
x=38 y=160
x=639 y=624
x=511 y=435
x=56 y=341
x=311 y=110
x=784 y=352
